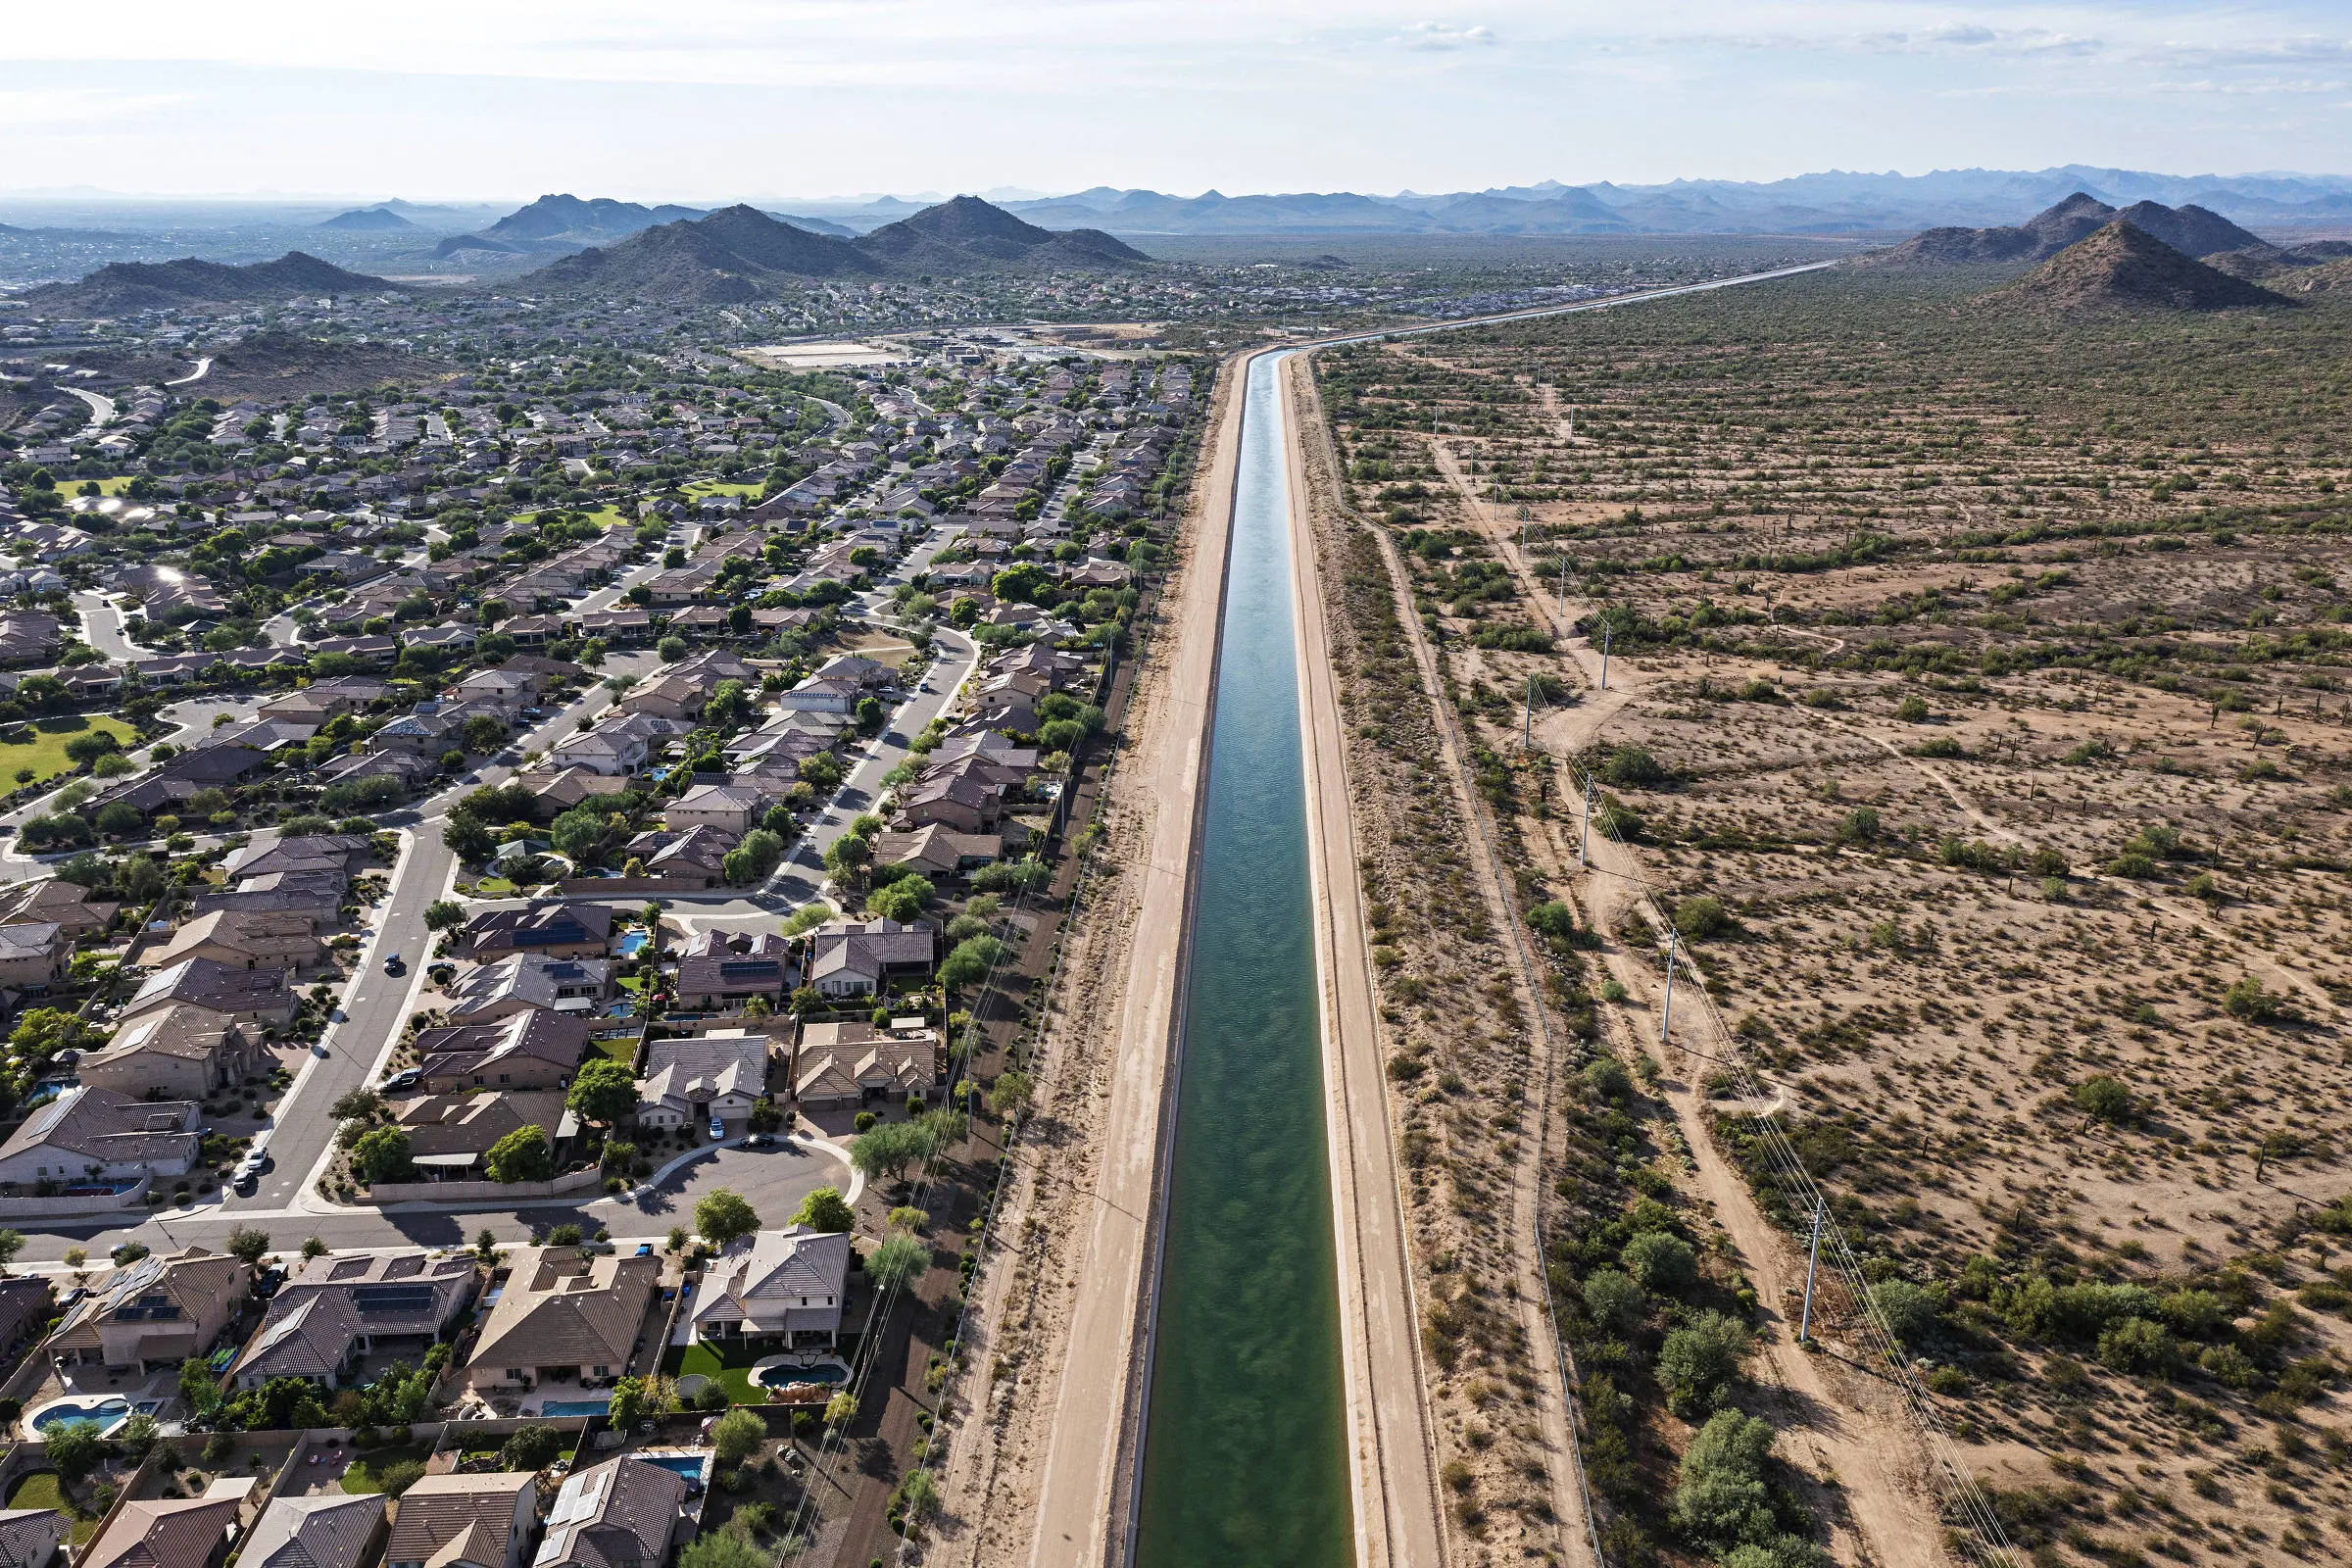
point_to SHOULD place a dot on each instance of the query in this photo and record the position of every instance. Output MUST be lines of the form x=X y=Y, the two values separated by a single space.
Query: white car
x=718 y=1129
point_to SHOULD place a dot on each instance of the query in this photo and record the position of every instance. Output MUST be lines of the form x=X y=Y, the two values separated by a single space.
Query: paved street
x=102 y=627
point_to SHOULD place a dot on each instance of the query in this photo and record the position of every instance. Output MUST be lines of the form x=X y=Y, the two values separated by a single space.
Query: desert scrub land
x=1978 y=710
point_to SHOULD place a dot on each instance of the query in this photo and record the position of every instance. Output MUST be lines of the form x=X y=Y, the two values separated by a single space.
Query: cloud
x=1446 y=35
x=2246 y=89
x=30 y=107
x=1971 y=38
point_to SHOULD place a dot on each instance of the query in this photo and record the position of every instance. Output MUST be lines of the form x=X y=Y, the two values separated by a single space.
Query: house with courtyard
x=564 y=1315
x=774 y=1289
x=333 y=1314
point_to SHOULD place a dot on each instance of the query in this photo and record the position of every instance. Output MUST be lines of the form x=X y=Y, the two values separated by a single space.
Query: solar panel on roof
x=747 y=969
x=393 y=1297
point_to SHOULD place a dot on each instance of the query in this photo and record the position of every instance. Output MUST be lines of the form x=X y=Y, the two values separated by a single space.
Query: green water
x=1244 y=1459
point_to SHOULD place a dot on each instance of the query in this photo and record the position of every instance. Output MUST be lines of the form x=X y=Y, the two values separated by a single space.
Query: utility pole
x=1804 y=1327
x=1584 y=837
x=1563 y=587
x=1666 y=1014
x=1527 y=723
x=1604 y=655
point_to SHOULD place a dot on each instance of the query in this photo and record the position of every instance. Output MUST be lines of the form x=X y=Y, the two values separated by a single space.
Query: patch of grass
x=41 y=1489
x=624 y=1052
x=44 y=747
x=731 y=1368
x=365 y=1473
x=722 y=487
x=494 y=886
x=113 y=485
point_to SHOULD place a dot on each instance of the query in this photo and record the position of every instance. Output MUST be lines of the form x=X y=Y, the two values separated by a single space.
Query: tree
x=360 y=1102
x=635 y=1399
x=1010 y=1093
x=248 y=1244
x=1911 y=1311
x=884 y=1151
x=898 y=1263
x=902 y=900
x=399 y=1476
x=848 y=853
x=737 y=1436
x=444 y=915
x=2245 y=999
x=577 y=832
x=671 y=648
x=381 y=1156
x=1721 y=1499
x=75 y=1448
x=531 y=1447
x=1699 y=1358
x=1613 y=1302
x=969 y=964
x=468 y=839
x=199 y=1391
x=1553 y=919
x=484 y=733
x=826 y=1212
x=89 y=746
x=841 y=1410
x=723 y=1548
x=721 y=1216
x=522 y=1155
x=119 y=819
x=821 y=772
x=604 y=1093
x=1659 y=1261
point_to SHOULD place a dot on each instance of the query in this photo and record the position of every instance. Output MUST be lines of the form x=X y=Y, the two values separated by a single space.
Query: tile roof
x=449 y=1519
x=329 y=1532
x=758 y=1278
x=209 y=983
x=99 y=1124
x=562 y=1309
x=619 y=1514
x=175 y=1532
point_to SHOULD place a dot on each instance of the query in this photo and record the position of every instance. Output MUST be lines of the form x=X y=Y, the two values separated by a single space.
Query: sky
x=706 y=101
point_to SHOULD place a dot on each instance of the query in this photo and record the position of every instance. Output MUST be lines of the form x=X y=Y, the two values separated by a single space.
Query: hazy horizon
x=616 y=98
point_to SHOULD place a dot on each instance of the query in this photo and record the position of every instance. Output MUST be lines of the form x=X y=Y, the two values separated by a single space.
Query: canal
x=1243 y=1461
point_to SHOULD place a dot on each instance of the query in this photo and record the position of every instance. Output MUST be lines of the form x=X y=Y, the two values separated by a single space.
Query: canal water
x=1244 y=1462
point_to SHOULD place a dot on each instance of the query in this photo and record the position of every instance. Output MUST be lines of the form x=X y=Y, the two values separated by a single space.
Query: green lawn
x=602 y=516
x=725 y=487
x=40 y=1489
x=732 y=1369
x=366 y=1471
x=43 y=749
x=624 y=1052
x=114 y=485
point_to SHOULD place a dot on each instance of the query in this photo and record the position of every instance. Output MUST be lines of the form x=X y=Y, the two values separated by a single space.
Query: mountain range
x=2121 y=265
x=2227 y=252
x=740 y=253
x=562 y=225
x=121 y=287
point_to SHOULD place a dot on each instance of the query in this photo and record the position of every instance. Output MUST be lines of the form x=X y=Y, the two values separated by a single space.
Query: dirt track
x=1392 y=1462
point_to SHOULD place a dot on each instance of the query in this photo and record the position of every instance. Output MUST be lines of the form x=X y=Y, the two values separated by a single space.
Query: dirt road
x=1392 y=1462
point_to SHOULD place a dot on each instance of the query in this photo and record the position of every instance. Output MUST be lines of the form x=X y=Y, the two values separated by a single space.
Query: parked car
x=393 y=966
x=718 y=1129
x=408 y=1079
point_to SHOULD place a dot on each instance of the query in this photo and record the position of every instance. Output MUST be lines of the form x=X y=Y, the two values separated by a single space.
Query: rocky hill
x=371 y=220
x=121 y=287
x=969 y=235
x=275 y=364
x=2043 y=235
x=2125 y=267
x=740 y=253
x=2190 y=229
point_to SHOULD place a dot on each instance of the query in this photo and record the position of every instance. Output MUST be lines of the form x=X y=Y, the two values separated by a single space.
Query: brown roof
x=329 y=1532
x=180 y=1533
x=619 y=1514
x=452 y=1519
x=564 y=1309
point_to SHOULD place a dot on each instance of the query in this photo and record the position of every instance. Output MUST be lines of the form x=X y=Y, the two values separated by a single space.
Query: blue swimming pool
x=689 y=1465
x=633 y=944
x=575 y=1406
x=101 y=1412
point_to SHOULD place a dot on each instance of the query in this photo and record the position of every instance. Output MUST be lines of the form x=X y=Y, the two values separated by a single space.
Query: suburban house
x=179 y=1050
x=721 y=971
x=532 y=1048
x=29 y=1536
x=55 y=901
x=34 y=954
x=27 y=1304
x=559 y=930
x=157 y=1309
x=938 y=851
x=527 y=982
x=623 y=1513
x=97 y=1136
x=565 y=1314
x=697 y=856
x=728 y=807
x=332 y=1311
x=849 y=1064
x=333 y=1531
x=687 y=1082
x=860 y=958
x=964 y=805
x=244 y=939
x=465 y=1521
x=449 y=1134
x=257 y=996
x=600 y=751
x=172 y=1532
x=772 y=1288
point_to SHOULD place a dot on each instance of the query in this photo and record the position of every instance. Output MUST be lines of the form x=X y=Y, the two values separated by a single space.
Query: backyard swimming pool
x=693 y=1466
x=575 y=1406
x=633 y=944
x=777 y=1374
x=100 y=1409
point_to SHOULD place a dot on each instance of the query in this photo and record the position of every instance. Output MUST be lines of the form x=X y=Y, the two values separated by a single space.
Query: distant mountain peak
x=2122 y=267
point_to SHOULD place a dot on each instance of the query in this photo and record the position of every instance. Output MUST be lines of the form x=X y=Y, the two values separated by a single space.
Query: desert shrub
x=2196 y=1314
x=1912 y=709
x=2103 y=1096
x=1659 y=1261
x=1632 y=768
x=1911 y=1311
x=1700 y=917
x=1614 y=1302
x=2136 y=1345
x=2245 y=999
x=1699 y=1360
x=1859 y=826
x=1606 y=1077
